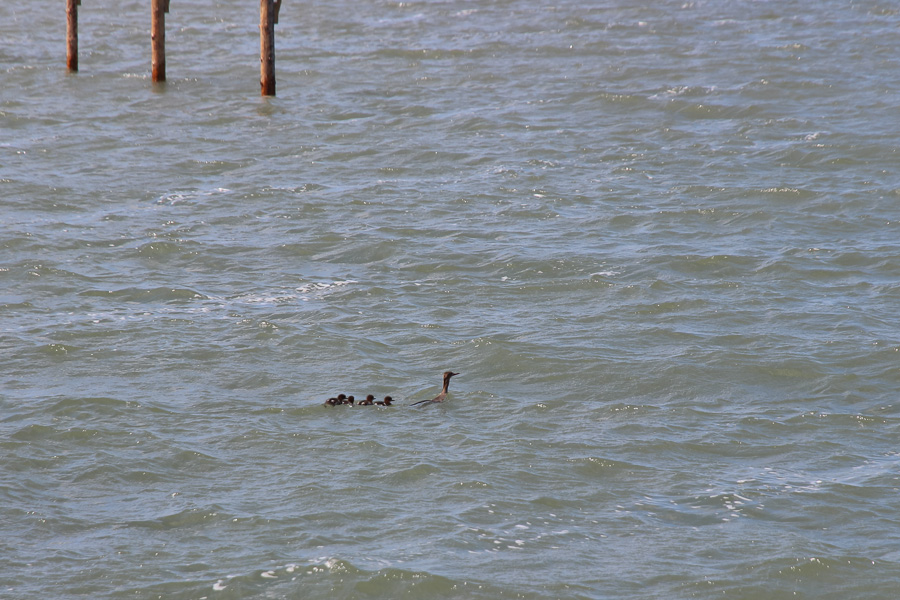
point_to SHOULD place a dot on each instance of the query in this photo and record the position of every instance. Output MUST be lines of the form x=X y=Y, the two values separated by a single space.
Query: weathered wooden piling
x=158 y=10
x=268 y=17
x=72 y=34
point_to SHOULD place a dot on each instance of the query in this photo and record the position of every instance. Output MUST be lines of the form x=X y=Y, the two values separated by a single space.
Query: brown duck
x=443 y=395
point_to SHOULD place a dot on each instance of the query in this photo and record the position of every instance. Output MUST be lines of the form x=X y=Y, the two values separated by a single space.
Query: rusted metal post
x=158 y=10
x=268 y=17
x=72 y=34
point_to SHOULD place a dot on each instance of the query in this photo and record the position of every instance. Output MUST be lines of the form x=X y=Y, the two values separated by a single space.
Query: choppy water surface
x=659 y=240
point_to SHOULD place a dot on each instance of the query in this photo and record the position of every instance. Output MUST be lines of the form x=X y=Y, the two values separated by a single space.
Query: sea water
x=658 y=240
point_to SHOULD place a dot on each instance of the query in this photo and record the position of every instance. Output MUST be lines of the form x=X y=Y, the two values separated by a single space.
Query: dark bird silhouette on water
x=336 y=401
x=369 y=401
x=443 y=395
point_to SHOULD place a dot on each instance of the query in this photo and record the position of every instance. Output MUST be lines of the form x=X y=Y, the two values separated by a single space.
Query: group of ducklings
x=369 y=401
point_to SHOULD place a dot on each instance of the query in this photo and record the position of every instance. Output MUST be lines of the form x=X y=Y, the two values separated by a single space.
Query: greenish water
x=657 y=240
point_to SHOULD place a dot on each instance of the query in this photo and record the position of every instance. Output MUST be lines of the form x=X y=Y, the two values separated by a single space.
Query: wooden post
x=158 y=10
x=72 y=34
x=268 y=17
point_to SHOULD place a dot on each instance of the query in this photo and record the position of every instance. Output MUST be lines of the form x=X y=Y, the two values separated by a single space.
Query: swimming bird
x=369 y=401
x=349 y=400
x=386 y=402
x=335 y=401
x=443 y=395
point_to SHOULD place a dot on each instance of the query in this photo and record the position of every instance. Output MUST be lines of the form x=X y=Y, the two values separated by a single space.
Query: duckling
x=387 y=401
x=369 y=401
x=335 y=401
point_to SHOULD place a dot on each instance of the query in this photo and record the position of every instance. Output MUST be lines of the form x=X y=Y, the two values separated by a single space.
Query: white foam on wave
x=174 y=198
x=304 y=293
x=318 y=287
